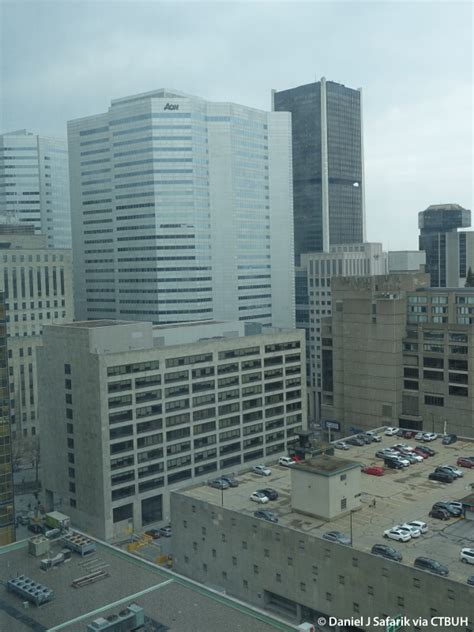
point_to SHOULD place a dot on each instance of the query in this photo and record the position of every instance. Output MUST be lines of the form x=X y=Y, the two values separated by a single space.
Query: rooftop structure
x=170 y=602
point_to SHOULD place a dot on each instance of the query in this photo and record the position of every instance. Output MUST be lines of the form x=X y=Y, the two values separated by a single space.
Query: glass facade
x=341 y=172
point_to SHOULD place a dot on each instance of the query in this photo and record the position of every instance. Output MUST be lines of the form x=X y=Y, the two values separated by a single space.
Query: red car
x=375 y=470
x=296 y=458
x=465 y=461
x=421 y=453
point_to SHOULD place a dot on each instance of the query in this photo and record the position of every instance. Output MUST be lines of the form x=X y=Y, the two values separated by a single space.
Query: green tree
x=469 y=278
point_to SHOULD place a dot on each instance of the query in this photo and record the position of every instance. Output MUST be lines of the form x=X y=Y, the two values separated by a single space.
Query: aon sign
x=171 y=106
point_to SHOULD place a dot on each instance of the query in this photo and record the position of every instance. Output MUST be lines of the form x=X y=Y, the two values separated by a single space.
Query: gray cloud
x=62 y=60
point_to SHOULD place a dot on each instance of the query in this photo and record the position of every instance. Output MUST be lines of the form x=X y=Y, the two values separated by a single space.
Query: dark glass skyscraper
x=328 y=172
x=447 y=258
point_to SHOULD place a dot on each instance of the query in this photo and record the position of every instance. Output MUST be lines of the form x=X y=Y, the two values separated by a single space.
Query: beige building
x=130 y=411
x=294 y=568
x=37 y=282
x=397 y=352
x=314 y=299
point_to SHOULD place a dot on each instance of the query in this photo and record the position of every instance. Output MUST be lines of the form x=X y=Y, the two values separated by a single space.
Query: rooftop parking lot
x=396 y=497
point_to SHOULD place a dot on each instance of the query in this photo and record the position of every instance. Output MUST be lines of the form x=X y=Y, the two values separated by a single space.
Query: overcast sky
x=414 y=61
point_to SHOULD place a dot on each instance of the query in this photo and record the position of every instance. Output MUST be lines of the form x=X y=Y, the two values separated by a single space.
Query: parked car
x=393 y=464
x=449 y=439
x=452 y=509
x=400 y=458
x=374 y=435
x=465 y=461
x=400 y=432
x=411 y=456
x=165 y=532
x=442 y=477
x=270 y=493
x=439 y=513
x=228 y=478
x=367 y=438
x=259 y=497
x=467 y=556
x=455 y=504
x=433 y=566
x=355 y=441
x=262 y=470
x=426 y=449
x=386 y=452
x=286 y=461
x=403 y=446
x=218 y=483
x=419 y=436
x=409 y=434
x=336 y=536
x=341 y=445
x=266 y=515
x=418 y=524
x=402 y=535
x=450 y=469
x=413 y=531
x=296 y=458
x=390 y=432
x=374 y=470
x=420 y=452
x=470 y=580
x=153 y=533
x=384 y=550
x=429 y=436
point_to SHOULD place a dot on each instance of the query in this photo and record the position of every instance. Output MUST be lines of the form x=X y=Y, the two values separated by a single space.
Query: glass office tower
x=328 y=173
x=182 y=210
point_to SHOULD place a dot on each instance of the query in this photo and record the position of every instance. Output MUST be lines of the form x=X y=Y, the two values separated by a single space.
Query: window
x=342 y=580
x=370 y=590
x=343 y=504
x=434 y=400
x=328 y=596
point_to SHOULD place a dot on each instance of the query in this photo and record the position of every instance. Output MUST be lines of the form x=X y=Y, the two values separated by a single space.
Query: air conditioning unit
x=132 y=618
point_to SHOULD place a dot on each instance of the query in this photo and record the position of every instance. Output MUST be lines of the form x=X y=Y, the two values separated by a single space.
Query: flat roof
x=400 y=496
x=171 y=602
x=326 y=465
x=89 y=324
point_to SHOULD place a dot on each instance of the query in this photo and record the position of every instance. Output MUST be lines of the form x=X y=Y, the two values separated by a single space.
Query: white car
x=404 y=446
x=341 y=445
x=373 y=434
x=419 y=436
x=429 y=436
x=286 y=461
x=263 y=470
x=467 y=556
x=259 y=497
x=418 y=524
x=413 y=531
x=402 y=535
x=391 y=431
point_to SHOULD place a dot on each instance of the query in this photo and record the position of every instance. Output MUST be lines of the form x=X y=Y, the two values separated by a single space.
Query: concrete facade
x=401 y=356
x=34 y=170
x=314 y=303
x=183 y=211
x=147 y=418
x=405 y=260
x=37 y=282
x=325 y=487
x=290 y=569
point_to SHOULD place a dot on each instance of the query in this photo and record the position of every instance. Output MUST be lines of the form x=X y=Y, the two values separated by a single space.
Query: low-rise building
x=128 y=413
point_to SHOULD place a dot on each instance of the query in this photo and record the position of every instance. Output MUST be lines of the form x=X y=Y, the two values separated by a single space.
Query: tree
x=469 y=278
